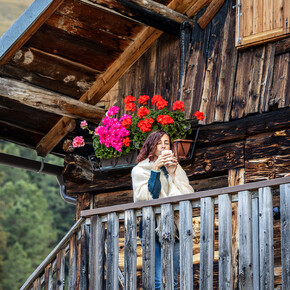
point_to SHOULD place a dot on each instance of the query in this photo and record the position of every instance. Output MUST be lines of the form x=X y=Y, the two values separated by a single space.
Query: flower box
x=182 y=147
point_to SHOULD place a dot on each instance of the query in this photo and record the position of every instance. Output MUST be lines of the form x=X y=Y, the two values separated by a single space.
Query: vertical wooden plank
x=97 y=253
x=257 y=17
x=285 y=234
x=130 y=253
x=112 y=251
x=225 y=241
x=286 y=16
x=186 y=244
x=72 y=272
x=148 y=257
x=37 y=284
x=167 y=246
x=206 y=243
x=84 y=283
x=235 y=177
x=278 y=14
x=248 y=17
x=266 y=238
x=245 y=241
x=255 y=245
x=226 y=76
x=60 y=270
x=268 y=8
x=48 y=277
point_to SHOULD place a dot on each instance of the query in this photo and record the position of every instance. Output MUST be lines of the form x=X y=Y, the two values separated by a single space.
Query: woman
x=157 y=176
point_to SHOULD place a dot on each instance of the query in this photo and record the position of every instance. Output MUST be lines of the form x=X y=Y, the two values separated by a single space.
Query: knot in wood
x=167 y=237
x=230 y=155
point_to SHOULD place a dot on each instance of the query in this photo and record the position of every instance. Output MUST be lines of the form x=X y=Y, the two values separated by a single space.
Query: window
x=259 y=21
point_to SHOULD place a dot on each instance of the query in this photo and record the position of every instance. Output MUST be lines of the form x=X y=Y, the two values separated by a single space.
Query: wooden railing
x=92 y=247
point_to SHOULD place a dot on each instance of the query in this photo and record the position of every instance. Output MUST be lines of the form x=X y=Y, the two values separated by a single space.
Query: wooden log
x=210 y=12
x=48 y=101
x=197 y=6
x=266 y=238
x=60 y=270
x=72 y=272
x=255 y=247
x=97 y=253
x=225 y=241
x=245 y=241
x=285 y=234
x=112 y=251
x=84 y=274
x=148 y=258
x=206 y=242
x=130 y=254
x=167 y=247
x=185 y=239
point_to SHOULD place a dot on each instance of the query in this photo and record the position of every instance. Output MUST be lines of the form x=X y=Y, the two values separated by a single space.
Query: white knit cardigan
x=169 y=187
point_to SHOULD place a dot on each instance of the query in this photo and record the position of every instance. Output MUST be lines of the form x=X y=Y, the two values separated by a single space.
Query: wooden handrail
x=52 y=254
x=191 y=196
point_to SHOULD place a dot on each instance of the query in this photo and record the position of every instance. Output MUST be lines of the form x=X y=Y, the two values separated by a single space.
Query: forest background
x=33 y=216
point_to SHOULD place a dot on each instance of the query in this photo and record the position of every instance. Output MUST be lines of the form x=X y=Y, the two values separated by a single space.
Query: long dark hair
x=149 y=147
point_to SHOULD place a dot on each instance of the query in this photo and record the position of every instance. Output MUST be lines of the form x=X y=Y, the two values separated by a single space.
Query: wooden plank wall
x=224 y=83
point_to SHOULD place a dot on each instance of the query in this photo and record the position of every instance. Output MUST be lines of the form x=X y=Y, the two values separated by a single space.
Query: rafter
x=48 y=101
x=106 y=81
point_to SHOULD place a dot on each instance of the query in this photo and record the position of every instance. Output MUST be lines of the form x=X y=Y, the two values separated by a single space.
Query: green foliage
x=33 y=218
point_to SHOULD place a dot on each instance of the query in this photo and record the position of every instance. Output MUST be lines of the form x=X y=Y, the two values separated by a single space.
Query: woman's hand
x=161 y=161
x=171 y=167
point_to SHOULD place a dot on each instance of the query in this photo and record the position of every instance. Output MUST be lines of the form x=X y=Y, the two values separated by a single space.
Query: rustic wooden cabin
x=68 y=60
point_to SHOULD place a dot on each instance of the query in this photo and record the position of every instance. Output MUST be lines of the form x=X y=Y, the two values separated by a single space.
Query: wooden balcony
x=102 y=250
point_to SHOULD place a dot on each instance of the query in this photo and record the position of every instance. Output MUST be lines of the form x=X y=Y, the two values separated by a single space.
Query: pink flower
x=112 y=111
x=78 y=142
x=83 y=124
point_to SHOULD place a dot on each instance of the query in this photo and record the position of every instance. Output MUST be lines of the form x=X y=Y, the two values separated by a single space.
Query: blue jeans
x=176 y=255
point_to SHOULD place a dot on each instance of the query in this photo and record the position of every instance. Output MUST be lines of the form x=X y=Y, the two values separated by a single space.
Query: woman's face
x=163 y=144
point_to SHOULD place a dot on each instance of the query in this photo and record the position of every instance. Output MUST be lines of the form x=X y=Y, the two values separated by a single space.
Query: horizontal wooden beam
x=147 y=12
x=106 y=81
x=49 y=101
x=25 y=26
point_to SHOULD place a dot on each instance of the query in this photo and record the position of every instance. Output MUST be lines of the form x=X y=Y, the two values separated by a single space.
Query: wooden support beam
x=147 y=12
x=26 y=25
x=49 y=101
x=210 y=12
x=105 y=82
x=197 y=6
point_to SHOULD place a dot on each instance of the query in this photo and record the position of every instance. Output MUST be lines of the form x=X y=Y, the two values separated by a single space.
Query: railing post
x=84 y=283
x=72 y=273
x=225 y=242
x=206 y=243
x=285 y=234
x=186 y=244
x=97 y=253
x=48 y=278
x=167 y=247
x=148 y=248
x=60 y=270
x=266 y=238
x=255 y=244
x=112 y=251
x=245 y=241
x=130 y=253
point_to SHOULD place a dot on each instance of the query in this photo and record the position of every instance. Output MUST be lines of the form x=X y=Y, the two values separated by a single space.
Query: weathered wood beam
x=210 y=12
x=49 y=101
x=197 y=6
x=26 y=25
x=104 y=83
x=147 y=12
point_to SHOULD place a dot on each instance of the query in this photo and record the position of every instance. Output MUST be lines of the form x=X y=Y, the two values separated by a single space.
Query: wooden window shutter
x=259 y=21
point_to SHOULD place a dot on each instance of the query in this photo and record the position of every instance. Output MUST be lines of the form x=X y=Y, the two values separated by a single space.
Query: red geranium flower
x=78 y=142
x=199 y=115
x=129 y=99
x=156 y=98
x=126 y=142
x=131 y=107
x=145 y=125
x=161 y=104
x=142 y=112
x=143 y=100
x=178 y=105
x=164 y=120
x=127 y=123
